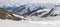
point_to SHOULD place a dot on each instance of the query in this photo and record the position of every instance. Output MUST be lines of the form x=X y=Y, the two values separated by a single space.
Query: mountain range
x=37 y=10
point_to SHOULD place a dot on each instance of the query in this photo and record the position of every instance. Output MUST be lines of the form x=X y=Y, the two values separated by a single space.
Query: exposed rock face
x=8 y=15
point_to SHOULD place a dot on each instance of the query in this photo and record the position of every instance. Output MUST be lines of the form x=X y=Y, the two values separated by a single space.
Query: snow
x=18 y=16
x=9 y=15
x=44 y=10
x=49 y=18
x=10 y=23
x=57 y=10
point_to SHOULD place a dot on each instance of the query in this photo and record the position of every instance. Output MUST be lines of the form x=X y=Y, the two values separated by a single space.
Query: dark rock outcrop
x=47 y=14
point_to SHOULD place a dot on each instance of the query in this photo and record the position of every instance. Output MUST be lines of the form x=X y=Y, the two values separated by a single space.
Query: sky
x=30 y=1
x=20 y=2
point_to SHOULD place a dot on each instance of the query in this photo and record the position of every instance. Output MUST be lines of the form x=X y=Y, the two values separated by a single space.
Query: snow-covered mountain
x=36 y=11
x=28 y=9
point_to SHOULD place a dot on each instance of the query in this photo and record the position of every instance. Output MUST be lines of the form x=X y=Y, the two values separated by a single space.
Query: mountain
x=8 y=8
x=27 y=9
x=9 y=15
x=35 y=10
